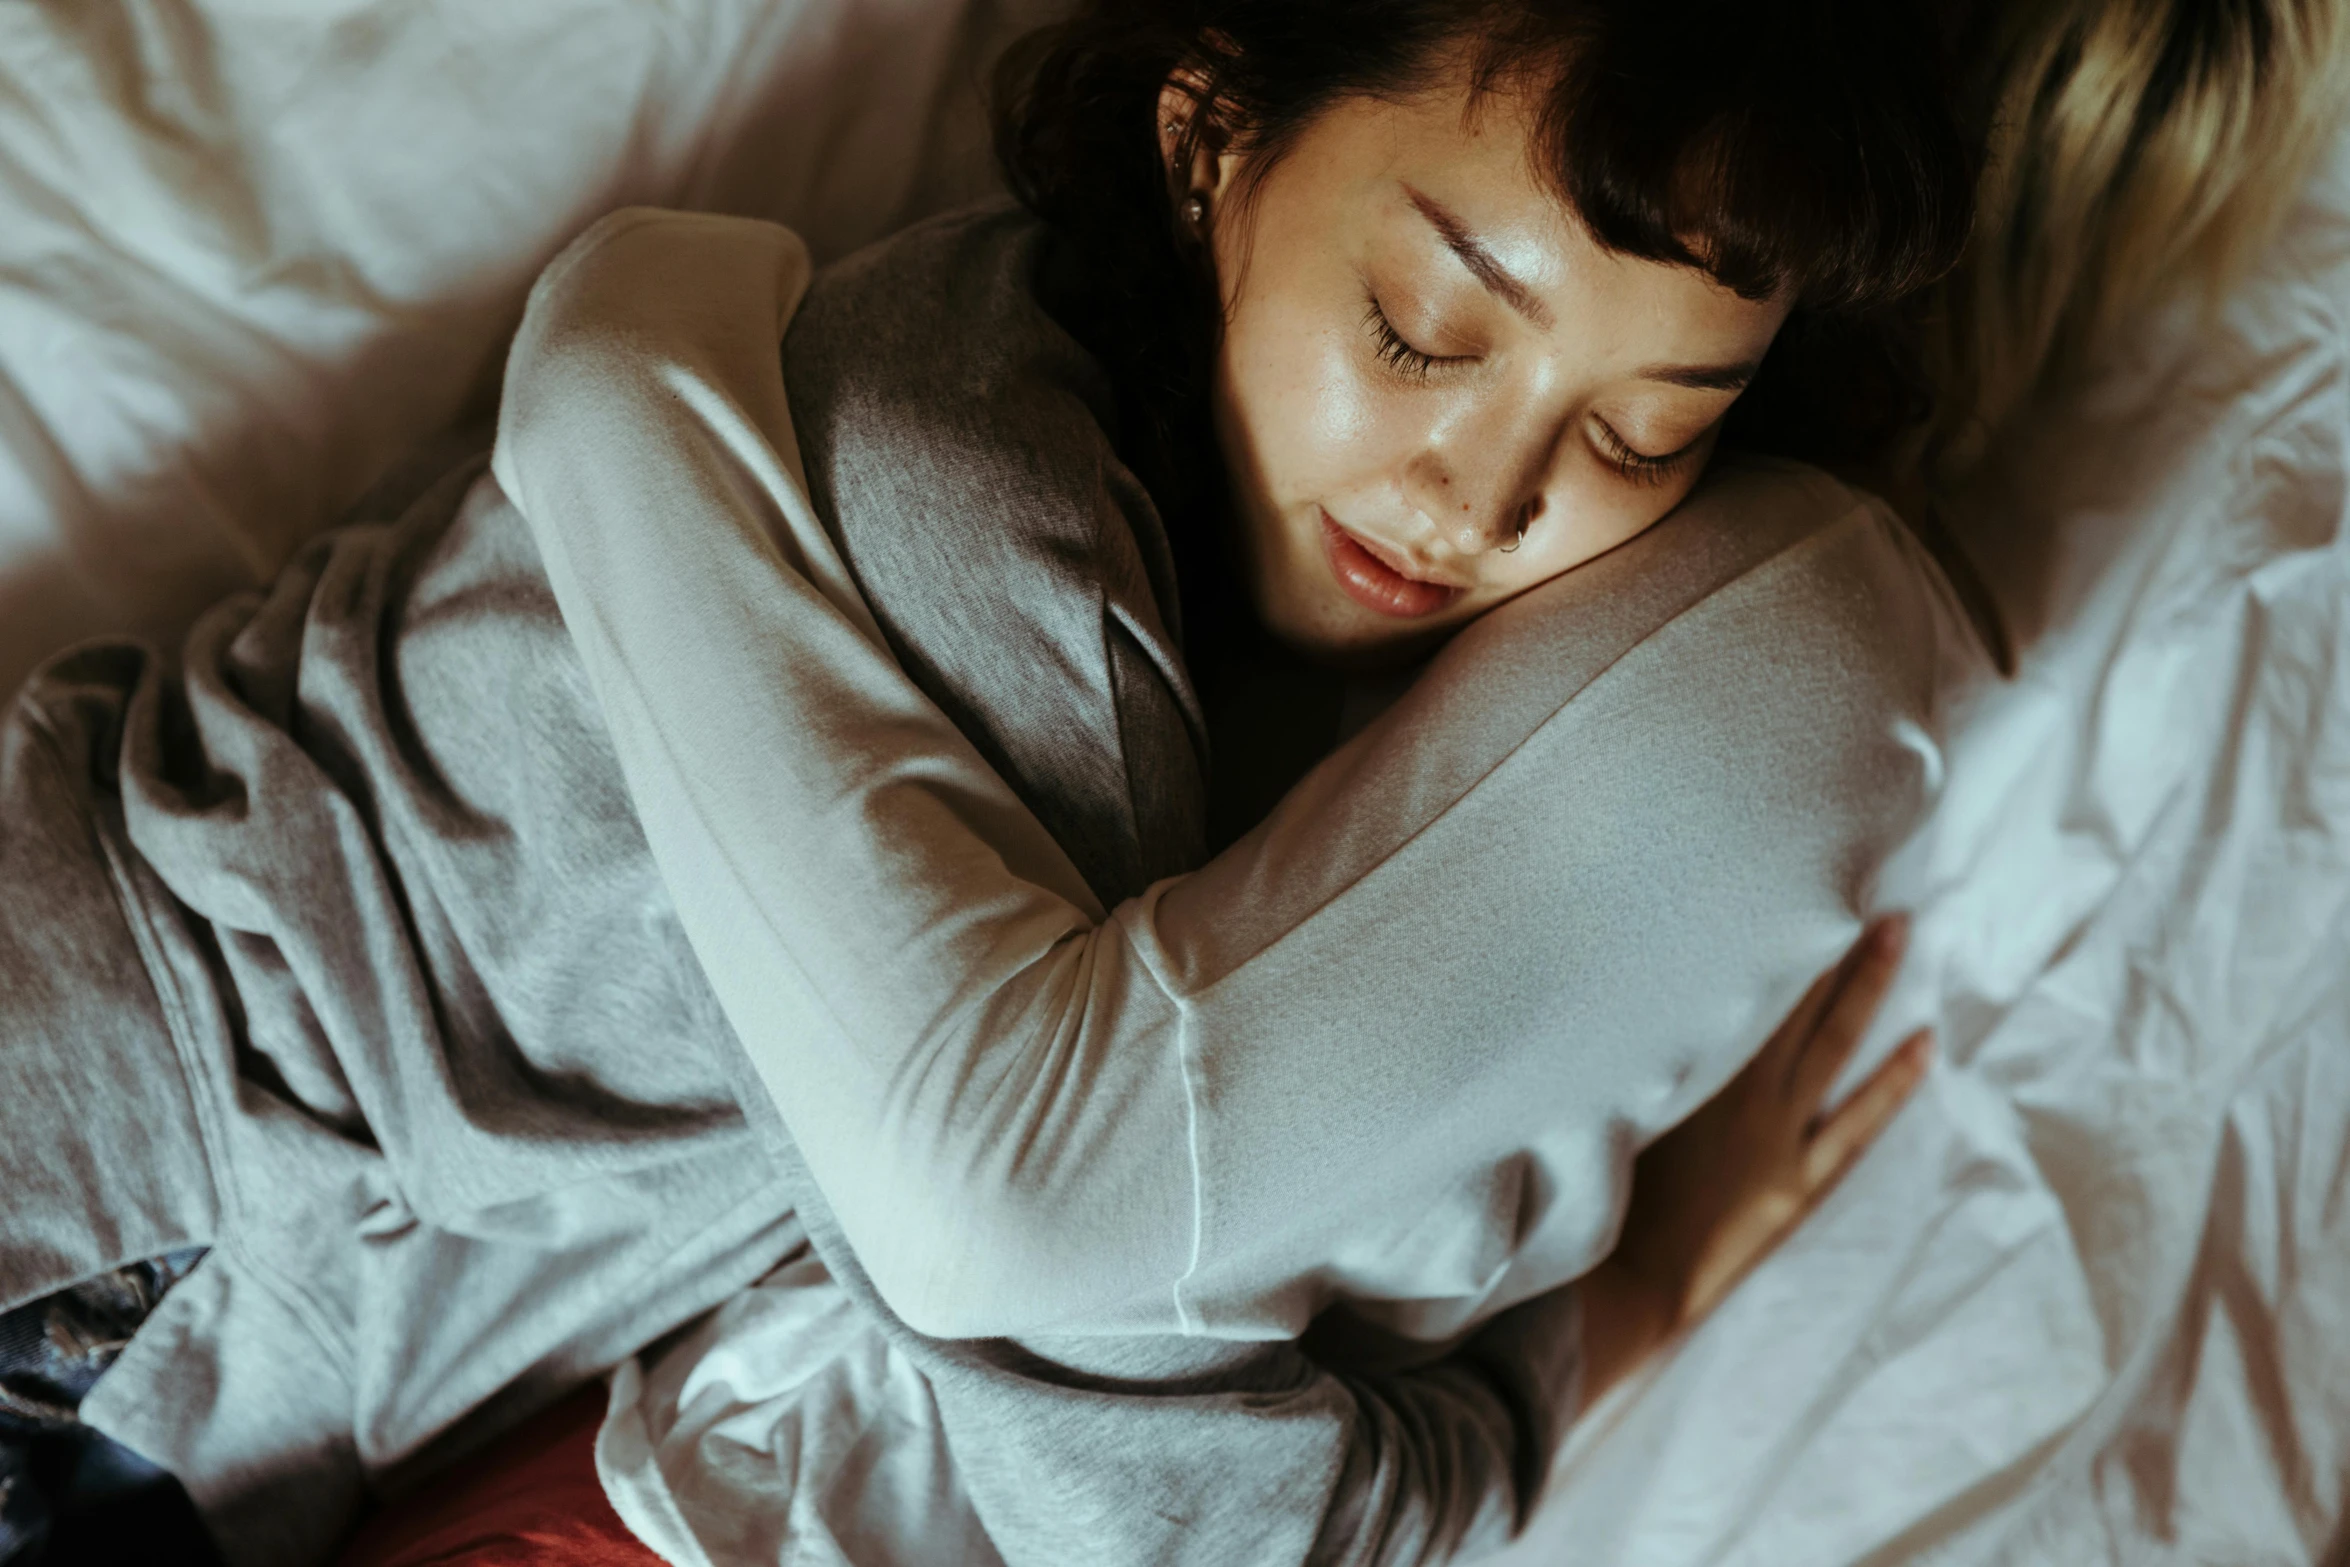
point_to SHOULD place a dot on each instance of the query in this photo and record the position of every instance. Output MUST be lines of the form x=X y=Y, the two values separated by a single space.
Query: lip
x=1374 y=577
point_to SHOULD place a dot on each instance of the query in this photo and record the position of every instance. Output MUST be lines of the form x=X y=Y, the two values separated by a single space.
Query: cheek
x=1294 y=382
x=1598 y=511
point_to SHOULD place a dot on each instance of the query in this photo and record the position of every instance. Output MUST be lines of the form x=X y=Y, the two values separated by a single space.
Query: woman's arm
x=1394 y=1044
x=1356 y=1449
x=918 y=973
x=1716 y=1194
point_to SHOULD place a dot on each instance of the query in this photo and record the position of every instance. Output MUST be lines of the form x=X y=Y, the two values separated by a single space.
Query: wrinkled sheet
x=2089 y=1303
x=254 y=251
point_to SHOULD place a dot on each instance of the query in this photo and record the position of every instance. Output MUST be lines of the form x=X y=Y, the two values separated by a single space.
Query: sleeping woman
x=905 y=849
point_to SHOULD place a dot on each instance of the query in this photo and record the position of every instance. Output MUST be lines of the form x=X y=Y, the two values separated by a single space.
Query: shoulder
x=926 y=361
x=935 y=396
x=944 y=307
x=960 y=447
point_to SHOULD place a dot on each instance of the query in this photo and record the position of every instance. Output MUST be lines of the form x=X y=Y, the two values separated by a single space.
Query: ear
x=1181 y=102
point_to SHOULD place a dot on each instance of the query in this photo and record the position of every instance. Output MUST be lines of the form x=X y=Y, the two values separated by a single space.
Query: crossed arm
x=1205 y=1114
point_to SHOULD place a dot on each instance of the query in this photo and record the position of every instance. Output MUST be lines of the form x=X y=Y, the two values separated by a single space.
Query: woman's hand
x=1713 y=1196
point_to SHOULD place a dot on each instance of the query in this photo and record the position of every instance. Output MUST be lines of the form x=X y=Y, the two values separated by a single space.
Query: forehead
x=1476 y=156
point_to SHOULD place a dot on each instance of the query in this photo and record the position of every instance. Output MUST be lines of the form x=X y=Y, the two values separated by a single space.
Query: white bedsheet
x=2091 y=1301
x=252 y=251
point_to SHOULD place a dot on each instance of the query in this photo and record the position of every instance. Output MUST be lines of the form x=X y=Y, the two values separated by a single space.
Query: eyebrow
x=1496 y=278
x=1479 y=260
x=1704 y=378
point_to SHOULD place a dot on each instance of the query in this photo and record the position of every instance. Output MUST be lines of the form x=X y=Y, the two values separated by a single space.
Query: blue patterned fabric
x=68 y=1495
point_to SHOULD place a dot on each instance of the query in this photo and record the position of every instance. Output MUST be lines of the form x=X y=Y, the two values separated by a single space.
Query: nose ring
x=1525 y=521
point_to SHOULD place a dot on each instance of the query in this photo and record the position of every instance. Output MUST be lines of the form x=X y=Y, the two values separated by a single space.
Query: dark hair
x=1806 y=145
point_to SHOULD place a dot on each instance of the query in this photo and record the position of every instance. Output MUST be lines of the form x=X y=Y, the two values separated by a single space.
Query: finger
x=1844 y=1136
x=1875 y=961
x=1784 y=1049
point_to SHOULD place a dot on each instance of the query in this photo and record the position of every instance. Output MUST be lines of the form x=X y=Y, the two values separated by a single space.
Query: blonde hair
x=2135 y=149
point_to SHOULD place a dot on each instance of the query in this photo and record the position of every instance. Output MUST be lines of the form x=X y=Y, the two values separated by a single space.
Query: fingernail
x=1892 y=933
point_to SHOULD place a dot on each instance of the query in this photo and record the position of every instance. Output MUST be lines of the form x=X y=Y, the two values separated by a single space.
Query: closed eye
x=1394 y=351
x=1637 y=466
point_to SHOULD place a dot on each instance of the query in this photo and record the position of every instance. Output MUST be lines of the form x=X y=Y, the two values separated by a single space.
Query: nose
x=1489 y=500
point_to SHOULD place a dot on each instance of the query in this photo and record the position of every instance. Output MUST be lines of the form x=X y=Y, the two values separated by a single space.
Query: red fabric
x=529 y=1500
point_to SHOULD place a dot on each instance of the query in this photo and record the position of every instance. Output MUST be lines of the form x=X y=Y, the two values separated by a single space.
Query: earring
x=1195 y=210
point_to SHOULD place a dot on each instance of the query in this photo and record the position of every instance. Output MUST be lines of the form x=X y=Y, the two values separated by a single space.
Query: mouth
x=1380 y=580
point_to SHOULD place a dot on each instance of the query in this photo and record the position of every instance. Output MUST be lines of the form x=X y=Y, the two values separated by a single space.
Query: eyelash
x=1638 y=467
x=1393 y=351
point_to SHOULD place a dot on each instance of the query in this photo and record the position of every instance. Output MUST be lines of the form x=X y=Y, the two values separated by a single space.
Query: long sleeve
x=1176 y=1452
x=1193 y=1452
x=1396 y=1045
x=924 y=982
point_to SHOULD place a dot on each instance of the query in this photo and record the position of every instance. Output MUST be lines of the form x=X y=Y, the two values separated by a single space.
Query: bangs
x=1805 y=150
x=1779 y=149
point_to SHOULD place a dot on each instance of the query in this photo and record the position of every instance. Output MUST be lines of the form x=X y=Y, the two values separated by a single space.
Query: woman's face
x=1425 y=353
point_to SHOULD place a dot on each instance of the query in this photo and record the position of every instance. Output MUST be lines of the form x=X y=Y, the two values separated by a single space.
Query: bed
x=2089 y=1303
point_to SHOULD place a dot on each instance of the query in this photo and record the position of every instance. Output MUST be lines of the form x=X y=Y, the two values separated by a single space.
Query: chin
x=1332 y=631
x=1296 y=600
